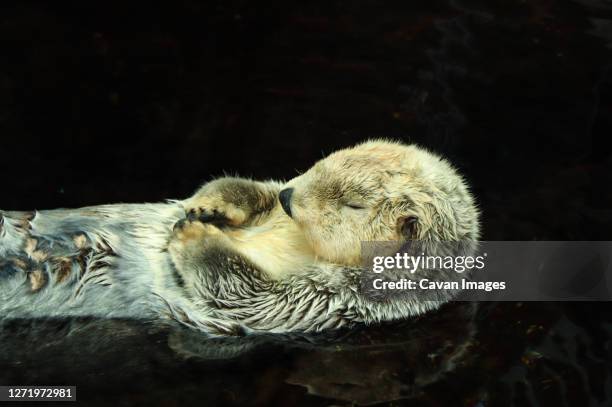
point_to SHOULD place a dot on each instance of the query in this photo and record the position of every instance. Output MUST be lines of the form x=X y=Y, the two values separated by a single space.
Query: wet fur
x=228 y=260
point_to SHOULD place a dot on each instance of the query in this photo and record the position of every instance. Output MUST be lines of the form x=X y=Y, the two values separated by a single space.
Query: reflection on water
x=467 y=354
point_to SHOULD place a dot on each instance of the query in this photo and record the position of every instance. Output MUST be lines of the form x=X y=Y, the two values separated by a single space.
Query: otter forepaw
x=206 y=215
x=189 y=229
x=216 y=213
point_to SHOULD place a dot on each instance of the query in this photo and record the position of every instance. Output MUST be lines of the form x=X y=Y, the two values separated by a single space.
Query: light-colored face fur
x=380 y=191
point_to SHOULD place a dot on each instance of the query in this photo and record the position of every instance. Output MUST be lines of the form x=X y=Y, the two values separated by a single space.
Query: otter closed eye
x=355 y=205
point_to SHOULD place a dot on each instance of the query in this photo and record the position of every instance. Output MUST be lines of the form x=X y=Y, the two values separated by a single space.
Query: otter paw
x=188 y=230
x=216 y=214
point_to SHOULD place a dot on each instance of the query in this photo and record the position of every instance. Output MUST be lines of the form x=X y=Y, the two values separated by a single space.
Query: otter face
x=378 y=191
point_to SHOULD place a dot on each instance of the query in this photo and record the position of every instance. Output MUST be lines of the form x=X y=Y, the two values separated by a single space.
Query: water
x=467 y=354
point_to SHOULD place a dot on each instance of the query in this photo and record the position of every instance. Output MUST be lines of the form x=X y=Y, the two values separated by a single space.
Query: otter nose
x=285 y=199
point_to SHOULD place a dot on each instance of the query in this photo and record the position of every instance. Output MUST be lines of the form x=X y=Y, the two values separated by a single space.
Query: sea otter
x=294 y=249
x=240 y=255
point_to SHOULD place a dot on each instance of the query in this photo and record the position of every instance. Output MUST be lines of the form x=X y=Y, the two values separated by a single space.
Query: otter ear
x=407 y=227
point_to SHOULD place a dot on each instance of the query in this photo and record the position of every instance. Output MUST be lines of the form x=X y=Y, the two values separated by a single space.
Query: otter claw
x=214 y=217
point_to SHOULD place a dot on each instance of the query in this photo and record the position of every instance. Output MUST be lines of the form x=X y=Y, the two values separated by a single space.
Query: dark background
x=118 y=101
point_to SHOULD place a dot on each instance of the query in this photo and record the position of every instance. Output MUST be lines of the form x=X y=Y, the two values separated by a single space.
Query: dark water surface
x=130 y=102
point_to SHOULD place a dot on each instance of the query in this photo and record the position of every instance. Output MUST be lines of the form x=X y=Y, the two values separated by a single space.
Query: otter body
x=240 y=255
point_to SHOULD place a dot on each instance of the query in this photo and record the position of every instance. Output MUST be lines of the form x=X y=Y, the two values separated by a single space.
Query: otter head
x=379 y=191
